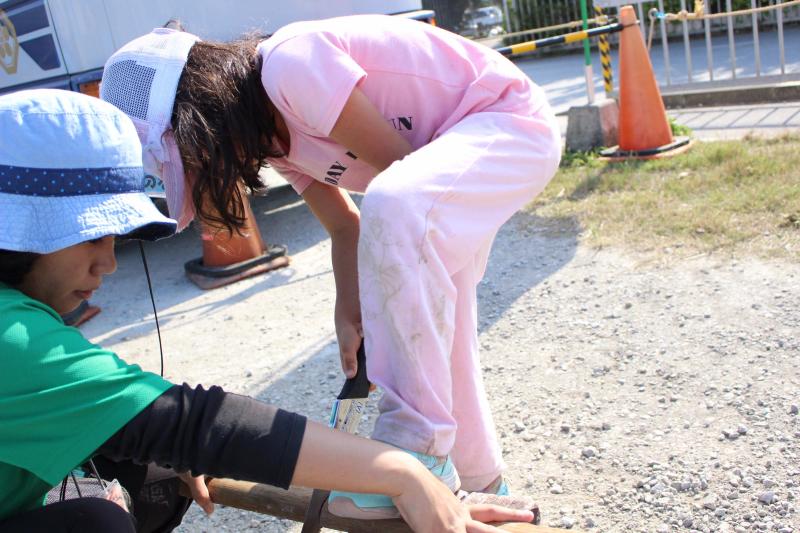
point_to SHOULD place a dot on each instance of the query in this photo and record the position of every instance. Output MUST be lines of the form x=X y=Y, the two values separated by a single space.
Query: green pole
x=587 y=54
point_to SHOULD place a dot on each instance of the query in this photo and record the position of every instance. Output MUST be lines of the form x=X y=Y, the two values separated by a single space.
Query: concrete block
x=593 y=126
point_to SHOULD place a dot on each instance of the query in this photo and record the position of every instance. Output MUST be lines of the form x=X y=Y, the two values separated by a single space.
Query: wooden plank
x=292 y=504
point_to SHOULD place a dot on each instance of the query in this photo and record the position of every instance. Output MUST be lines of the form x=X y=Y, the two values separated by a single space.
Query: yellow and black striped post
x=530 y=46
x=605 y=55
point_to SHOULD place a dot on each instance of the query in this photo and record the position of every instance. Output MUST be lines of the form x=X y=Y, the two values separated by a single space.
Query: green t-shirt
x=61 y=397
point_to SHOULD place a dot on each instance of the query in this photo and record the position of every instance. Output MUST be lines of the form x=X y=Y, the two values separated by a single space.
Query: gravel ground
x=630 y=395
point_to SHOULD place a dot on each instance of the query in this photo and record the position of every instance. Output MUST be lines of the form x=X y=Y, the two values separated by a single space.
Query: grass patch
x=736 y=196
x=679 y=130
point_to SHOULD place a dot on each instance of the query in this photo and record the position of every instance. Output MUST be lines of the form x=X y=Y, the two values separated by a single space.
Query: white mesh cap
x=141 y=79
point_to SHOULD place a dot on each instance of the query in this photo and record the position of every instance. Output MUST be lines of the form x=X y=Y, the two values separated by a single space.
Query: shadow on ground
x=282 y=218
x=527 y=251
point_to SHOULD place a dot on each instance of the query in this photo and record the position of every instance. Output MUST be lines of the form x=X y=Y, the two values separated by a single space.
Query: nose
x=105 y=261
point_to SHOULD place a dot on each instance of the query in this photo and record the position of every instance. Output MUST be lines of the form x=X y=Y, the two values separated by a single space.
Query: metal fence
x=719 y=25
x=686 y=61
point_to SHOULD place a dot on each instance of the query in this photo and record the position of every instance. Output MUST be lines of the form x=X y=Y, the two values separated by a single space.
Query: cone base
x=207 y=277
x=678 y=146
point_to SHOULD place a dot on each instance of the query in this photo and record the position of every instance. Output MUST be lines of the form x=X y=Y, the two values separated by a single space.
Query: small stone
x=519 y=427
x=711 y=502
x=248 y=374
x=730 y=434
x=663 y=528
x=767 y=497
x=567 y=522
x=556 y=489
x=742 y=429
x=589 y=452
x=589 y=523
x=794 y=409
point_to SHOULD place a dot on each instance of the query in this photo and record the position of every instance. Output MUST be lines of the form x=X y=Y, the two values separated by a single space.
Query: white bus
x=65 y=43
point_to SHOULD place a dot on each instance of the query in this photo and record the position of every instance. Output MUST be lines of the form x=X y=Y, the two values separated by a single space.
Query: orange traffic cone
x=229 y=257
x=644 y=130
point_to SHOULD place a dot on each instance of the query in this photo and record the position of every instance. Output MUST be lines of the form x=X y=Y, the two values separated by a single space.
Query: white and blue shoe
x=380 y=506
x=498 y=487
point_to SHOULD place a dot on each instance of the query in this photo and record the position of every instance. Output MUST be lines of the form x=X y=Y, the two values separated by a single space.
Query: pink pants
x=427 y=224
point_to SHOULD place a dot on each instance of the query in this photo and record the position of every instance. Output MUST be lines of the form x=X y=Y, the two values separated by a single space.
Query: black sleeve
x=212 y=432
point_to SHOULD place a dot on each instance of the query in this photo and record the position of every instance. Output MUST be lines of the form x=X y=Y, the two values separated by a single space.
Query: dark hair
x=14 y=266
x=223 y=127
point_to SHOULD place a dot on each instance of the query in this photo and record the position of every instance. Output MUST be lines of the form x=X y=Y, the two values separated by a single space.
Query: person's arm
x=339 y=215
x=333 y=459
x=226 y=435
x=365 y=132
x=212 y=432
x=361 y=129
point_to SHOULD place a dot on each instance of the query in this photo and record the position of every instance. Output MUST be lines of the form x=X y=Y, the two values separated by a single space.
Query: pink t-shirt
x=421 y=78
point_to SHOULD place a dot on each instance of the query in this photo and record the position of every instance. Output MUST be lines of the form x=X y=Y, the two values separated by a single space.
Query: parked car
x=482 y=22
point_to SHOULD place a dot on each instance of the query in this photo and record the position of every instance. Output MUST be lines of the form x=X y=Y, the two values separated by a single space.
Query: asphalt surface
x=562 y=76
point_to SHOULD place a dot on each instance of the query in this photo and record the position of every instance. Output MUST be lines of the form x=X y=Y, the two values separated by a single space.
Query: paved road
x=563 y=79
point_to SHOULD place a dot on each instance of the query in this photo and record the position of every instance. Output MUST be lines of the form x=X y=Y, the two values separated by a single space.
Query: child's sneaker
x=379 y=506
x=498 y=487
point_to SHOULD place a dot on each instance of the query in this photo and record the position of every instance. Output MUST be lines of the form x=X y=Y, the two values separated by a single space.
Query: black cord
x=153 y=301
x=77 y=487
x=97 y=474
x=63 y=493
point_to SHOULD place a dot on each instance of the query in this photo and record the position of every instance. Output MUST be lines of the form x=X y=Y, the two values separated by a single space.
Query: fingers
x=349 y=341
x=473 y=526
x=349 y=362
x=479 y=527
x=199 y=491
x=497 y=513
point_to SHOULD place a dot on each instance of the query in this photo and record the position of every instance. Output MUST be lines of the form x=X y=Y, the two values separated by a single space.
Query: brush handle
x=358 y=385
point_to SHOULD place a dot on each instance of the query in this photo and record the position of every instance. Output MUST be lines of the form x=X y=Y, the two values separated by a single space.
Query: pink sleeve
x=309 y=78
x=297 y=180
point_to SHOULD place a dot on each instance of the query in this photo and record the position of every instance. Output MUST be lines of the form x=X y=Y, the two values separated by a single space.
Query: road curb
x=725 y=96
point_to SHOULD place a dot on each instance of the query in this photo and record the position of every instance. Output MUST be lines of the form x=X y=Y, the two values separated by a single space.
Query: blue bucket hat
x=70 y=171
